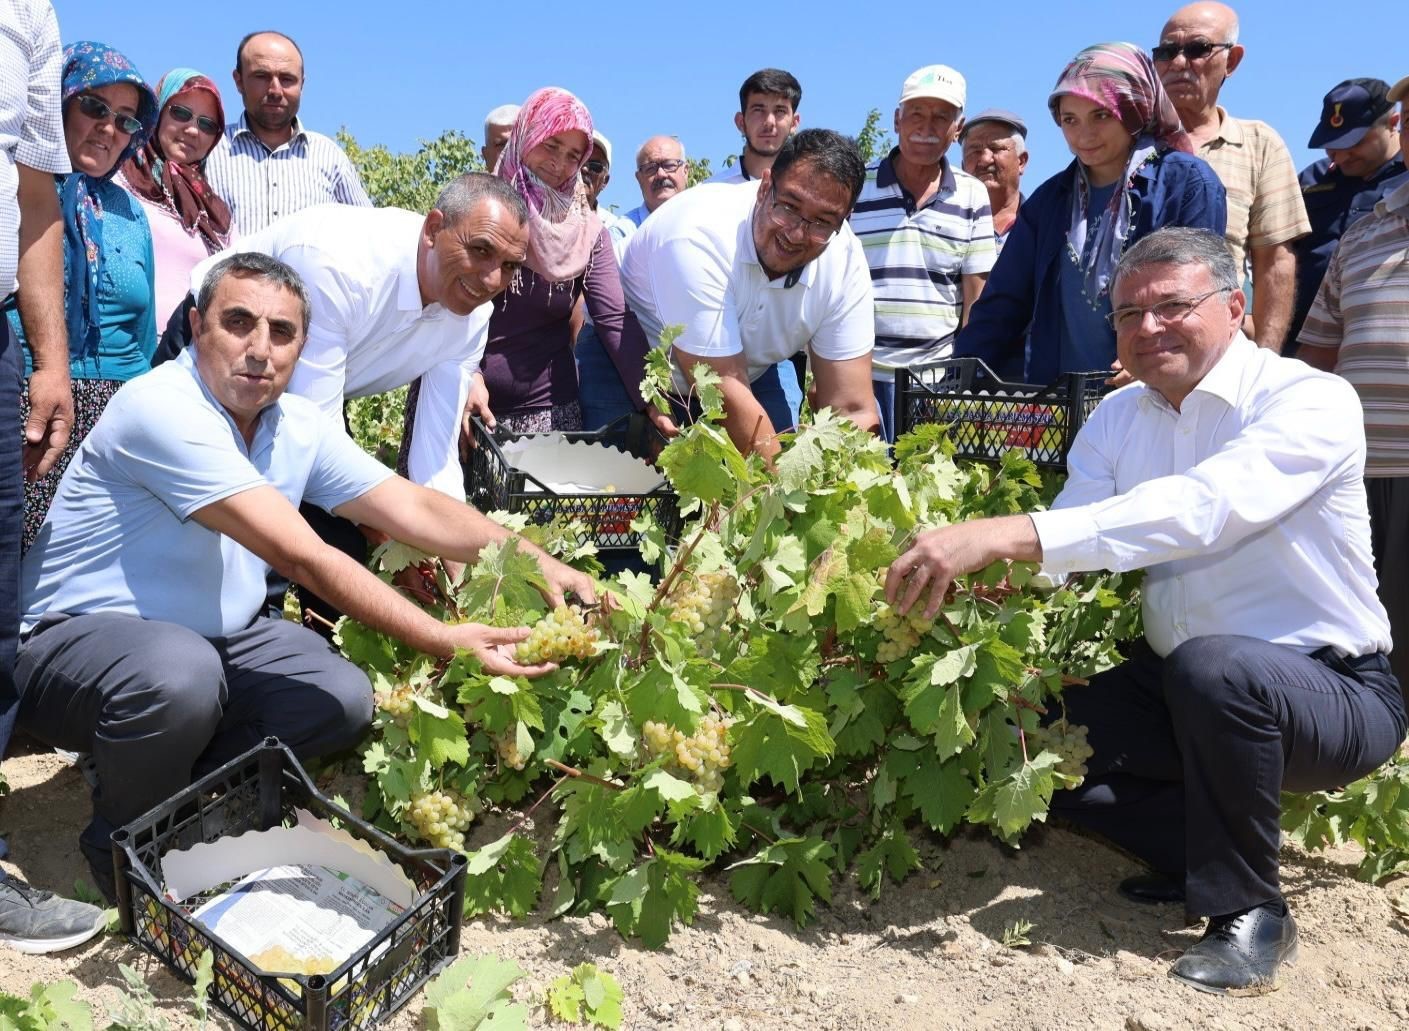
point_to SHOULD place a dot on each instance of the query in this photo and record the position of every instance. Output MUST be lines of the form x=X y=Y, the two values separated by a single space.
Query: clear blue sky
x=396 y=71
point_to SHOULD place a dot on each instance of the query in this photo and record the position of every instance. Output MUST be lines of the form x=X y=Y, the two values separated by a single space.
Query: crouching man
x=143 y=638
x=1234 y=477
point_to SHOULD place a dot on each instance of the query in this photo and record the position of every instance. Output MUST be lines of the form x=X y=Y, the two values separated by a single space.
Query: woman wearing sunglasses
x=109 y=110
x=1045 y=308
x=167 y=176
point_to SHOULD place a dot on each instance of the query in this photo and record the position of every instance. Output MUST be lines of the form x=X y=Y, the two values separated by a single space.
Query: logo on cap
x=1336 y=121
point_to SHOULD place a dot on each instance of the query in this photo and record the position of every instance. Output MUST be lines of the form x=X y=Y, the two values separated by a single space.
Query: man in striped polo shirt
x=927 y=233
x=1358 y=327
x=267 y=164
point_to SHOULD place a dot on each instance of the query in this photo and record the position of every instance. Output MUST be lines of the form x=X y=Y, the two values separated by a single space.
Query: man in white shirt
x=768 y=103
x=754 y=277
x=1233 y=476
x=144 y=641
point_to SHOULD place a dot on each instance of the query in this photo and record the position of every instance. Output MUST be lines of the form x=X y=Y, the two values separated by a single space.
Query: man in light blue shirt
x=144 y=638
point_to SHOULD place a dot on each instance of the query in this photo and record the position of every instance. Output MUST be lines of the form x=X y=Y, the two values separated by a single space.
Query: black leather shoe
x=1152 y=889
x=1240 y=954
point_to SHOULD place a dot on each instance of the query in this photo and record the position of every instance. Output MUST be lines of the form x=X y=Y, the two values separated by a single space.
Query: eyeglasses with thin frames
x=209 y=126
x=1195 y=51
x=787 y=218
x=1175 y=309
x=668 y=165
x=95 y=109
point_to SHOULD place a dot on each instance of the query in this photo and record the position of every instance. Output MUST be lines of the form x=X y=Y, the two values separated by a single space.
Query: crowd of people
x=190 y=302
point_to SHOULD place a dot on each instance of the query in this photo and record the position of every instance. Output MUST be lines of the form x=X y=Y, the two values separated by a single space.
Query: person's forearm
x=746 y=421
x=1274 y=289
x=41 y=271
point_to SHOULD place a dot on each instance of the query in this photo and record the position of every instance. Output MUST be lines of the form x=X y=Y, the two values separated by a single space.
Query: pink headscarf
x=563 y=228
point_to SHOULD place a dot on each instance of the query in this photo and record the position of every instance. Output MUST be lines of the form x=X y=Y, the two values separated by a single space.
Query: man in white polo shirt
x=144 y=641
x=754 y=277
x=927 y=230
x=1234 y=478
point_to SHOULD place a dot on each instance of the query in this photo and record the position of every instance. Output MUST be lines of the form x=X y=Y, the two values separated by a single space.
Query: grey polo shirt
x=120 y=537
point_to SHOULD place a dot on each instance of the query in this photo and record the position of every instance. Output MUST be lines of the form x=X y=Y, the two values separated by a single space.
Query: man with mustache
x=912 y=199
x=1198 y=50
x=497 y=126
x=661 y=172
x=768 y=102
x=267 y=165
x=995 y=153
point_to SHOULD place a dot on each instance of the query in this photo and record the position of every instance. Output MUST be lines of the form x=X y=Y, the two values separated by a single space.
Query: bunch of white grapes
x=702 y=602
x=704 y=754
x=562 y=634
x=1067 y=741
x=441 y=818
x=902 y=633
x=507 y=745
x=398 y=704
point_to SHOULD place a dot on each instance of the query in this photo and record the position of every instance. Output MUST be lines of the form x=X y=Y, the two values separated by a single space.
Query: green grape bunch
x=902 y=633
x=561 y=635
x=705 y=754
x=398 y=704
x=1068 y=742
x=507 y=745
x=702 y=602
x=441 y=818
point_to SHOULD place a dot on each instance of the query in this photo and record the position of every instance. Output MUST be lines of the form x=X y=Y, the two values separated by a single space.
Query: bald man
x=1198 y=50
x=661 y=172
x=267 y=165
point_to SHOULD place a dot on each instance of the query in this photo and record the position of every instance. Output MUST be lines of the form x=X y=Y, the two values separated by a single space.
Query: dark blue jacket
x=1175 y=189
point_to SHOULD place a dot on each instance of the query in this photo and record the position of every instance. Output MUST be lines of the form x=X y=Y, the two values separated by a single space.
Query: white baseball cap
x=937 y=81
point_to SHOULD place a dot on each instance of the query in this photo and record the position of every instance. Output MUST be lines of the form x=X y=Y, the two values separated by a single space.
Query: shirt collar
x=885 y=175
x=241 y=127
x=1230 y=130
x=269 y=418
x=1397 y=200
x=408 y=283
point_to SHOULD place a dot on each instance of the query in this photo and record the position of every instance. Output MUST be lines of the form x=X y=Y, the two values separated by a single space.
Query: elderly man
x=145 y=643
x=753 y=276
x=497 y=126
x=32 y=273
x=661 y=172
x=1359 y=130
x=267 y=165
x=995 y=153
x=1233 y=477
x=768 y=102
x=914 y=197
x=1357 y=328
x=1198 y=50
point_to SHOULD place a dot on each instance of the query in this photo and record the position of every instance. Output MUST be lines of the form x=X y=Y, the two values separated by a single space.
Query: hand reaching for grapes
x=938 y=556
x=494 y=647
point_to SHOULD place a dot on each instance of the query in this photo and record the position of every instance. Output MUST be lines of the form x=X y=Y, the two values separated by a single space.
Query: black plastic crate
x=257 y=791
x=492 y=483
x=988 y=417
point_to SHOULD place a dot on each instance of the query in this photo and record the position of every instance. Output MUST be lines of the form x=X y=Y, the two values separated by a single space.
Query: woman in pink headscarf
x=528 y=365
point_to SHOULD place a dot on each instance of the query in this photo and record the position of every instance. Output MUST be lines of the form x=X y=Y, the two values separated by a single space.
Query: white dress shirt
x=1246 y=507
x=693 y=264
x=369 y=332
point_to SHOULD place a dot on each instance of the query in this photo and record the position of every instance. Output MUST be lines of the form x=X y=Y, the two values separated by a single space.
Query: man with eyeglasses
x=928 y=233
x=754 y=276
x=1359 y=130
x=768 y=102
x=1197 y=52
x=661 y=172
x=1232 y=476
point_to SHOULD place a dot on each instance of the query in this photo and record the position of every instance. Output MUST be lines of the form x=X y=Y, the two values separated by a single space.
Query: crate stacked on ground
x=987 y=416
x=492 y=482
x=260 y=790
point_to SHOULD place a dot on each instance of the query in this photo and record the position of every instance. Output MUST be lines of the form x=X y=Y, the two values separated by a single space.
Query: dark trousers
x=1192 y=752
x=340 y=533
x=11 y=526
x=1389 y=537
x=158 y=705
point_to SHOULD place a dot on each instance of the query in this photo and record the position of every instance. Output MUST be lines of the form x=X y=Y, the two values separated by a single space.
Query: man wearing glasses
x=1197 y=51
x=1233 y=477
x=661 y=172
x=928 y=233
x=753 y=276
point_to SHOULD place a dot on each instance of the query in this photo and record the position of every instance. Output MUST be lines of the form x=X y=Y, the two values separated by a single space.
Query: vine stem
x=667 y=583
x=310 y=614
x=524 y=816
x=574 y=773
x=766 y=837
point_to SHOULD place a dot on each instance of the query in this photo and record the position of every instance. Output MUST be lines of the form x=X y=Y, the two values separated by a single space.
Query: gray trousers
x=158 y=705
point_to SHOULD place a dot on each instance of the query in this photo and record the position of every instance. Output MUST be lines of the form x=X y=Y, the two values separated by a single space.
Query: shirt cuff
x=1069 y=538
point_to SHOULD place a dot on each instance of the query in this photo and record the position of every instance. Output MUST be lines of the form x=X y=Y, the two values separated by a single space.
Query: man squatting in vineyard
x=144 y=640
x=1234 y=477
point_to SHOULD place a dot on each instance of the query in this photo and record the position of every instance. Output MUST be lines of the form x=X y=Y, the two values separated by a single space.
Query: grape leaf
x=780 y=742
x=441 y=739
x=588 y=996
x=393 y=556
x=710 y=830
x=503 y=572
x=891 y=854
x=1011 y=803
x=503 y=877
x=786 y=877
x=647 y=900
x=472 y=994
x=704 y=464
x=617 y=731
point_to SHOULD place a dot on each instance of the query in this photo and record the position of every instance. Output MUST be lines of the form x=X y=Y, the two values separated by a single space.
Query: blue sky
x=396 y=71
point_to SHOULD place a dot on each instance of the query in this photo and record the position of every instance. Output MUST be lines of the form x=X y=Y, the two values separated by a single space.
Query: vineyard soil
x=927 y=955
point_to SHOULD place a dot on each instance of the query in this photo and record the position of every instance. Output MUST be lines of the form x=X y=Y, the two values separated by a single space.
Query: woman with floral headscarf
x=1134 y=173
x=109 y=111
x=188 y=219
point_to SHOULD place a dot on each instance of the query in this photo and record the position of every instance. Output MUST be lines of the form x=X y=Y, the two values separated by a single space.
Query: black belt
x=1375 y=662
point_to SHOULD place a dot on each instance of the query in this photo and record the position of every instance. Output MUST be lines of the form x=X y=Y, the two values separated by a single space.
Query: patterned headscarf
x=562 y=226
x=90 y=66
x=1120 y=78
x=182 y=187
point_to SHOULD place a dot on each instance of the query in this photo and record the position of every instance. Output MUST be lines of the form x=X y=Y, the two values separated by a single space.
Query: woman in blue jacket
x=1044 y=309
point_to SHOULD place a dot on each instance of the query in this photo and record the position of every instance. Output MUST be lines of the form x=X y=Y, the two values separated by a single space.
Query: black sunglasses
x=595 y=167
x=1195 y=51
x=98 y=111
x=209 y=126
